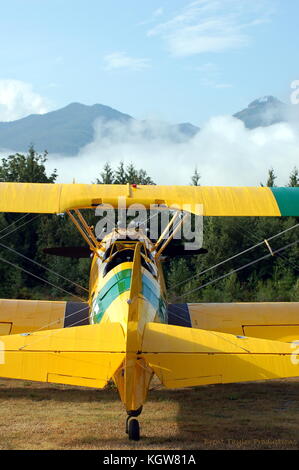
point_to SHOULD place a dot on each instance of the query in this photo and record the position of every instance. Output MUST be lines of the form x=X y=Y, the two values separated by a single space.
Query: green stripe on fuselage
x=120 y=283
x=287 y=200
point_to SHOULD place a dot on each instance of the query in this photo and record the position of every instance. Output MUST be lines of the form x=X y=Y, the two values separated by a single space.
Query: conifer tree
x=195 y=178
x=294 y=178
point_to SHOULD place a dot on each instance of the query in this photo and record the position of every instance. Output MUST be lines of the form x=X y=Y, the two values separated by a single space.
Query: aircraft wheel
x=133 y=430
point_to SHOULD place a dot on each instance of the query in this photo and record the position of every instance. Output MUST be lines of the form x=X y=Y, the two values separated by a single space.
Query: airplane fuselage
x=127 y=287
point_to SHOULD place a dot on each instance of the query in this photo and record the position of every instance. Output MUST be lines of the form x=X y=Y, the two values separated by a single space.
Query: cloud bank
x=17 y=100
x=224 y=152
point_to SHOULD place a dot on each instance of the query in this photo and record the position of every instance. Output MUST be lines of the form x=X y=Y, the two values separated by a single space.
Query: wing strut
x=83 y=227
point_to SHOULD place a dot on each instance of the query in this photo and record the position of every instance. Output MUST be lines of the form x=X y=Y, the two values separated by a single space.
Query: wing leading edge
x=202 y=200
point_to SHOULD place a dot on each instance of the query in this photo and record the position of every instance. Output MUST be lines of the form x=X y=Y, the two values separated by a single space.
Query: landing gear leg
x=132 y=425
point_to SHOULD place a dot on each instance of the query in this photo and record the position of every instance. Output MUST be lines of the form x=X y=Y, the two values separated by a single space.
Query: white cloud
x=120 y=60
x=224 y=152
x=17 y=100
x=211 y=26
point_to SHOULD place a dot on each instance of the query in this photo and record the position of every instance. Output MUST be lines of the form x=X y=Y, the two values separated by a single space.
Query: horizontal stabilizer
x=84 y=355
x=184 y=357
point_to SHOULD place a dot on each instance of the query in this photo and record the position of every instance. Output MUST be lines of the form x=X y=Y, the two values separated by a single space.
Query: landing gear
x=133 y=430
x=132 y=425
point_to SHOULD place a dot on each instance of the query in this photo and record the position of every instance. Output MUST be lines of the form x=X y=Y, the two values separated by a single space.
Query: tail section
x=134 y=377
x=186 y=357
x=86 y=355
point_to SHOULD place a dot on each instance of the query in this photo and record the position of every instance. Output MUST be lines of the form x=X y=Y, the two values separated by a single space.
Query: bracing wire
x=55 y=331
x=19 y=226
x=41 y=279
x=233 y=257
x=29 y=259
x=44 y=267
x=14 y=222
x=200 y=287
x=239 y=269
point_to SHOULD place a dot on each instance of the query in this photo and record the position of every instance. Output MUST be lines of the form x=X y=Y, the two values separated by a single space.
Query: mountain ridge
x=66 y=130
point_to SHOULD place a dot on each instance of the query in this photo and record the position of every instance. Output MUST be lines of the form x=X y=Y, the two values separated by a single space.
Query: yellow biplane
x=127 y=331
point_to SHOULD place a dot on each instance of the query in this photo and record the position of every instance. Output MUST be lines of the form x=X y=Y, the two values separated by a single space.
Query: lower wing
x=84 y=355
x=184 y=357
x=268 y=320
x=22 y=316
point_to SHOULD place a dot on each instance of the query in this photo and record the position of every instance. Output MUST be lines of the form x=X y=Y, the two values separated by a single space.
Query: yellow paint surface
x=202 y=200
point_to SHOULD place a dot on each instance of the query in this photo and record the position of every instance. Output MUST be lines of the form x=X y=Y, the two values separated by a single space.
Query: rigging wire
x=41 y=279
x=22 y=225
x=55 y=331
x=45 y=327
x=44 y=267
x=14 y=222
x=294 y=266
x=233 y=257
x=35 y=262
x=200 y=287
x=239 y=269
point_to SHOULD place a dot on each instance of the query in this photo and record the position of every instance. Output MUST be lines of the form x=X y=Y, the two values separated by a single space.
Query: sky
x=172 y=60
x=175 y=61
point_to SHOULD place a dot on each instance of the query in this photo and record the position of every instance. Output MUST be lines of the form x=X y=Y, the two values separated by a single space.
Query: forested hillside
x=203 y=278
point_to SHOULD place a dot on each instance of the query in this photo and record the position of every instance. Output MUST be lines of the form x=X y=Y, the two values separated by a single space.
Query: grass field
x=261 y=415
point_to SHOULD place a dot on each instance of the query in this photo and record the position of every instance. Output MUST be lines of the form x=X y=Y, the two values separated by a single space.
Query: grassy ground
x=240 y=416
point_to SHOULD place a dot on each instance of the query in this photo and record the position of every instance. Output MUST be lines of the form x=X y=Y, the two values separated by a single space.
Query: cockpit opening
x=118 y=253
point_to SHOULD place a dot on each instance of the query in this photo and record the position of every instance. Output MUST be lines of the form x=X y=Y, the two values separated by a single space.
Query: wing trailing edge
x=186 y=357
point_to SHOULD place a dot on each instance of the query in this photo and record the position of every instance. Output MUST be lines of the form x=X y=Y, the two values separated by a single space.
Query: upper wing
x=268 y=320
x=24 y=316
x=184 y=357
x=201 y=200
x=83 y=355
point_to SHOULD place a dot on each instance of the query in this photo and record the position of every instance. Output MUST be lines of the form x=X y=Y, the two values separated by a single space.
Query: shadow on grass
x=248 y=415
x=74 y=395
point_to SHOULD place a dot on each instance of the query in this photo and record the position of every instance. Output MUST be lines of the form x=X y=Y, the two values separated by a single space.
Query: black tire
x=133 y=428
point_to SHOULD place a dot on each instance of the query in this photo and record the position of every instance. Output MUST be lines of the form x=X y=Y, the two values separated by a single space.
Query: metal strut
x=174 y=228
x=84 y=229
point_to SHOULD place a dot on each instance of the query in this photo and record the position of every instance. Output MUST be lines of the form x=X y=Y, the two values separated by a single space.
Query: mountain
x=266 y=111
x=186 y=128
x=62 y=131
x=68 y=129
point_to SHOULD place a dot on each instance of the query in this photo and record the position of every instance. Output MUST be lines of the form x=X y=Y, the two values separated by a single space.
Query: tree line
x=23 y=238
